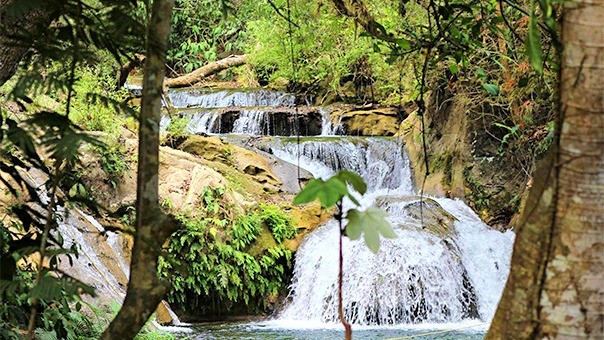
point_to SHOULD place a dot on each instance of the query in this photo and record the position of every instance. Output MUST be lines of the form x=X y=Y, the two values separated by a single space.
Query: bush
x=210 y=264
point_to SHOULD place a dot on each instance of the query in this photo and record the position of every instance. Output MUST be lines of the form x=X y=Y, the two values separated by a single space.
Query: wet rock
x=368 y=121
x=163 y=314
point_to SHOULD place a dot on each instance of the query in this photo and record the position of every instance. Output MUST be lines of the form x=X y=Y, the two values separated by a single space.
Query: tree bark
x=555 y=286
x=145 y=289
x=18 y=32
x=122 y=74
x=358 y=11
x=204 y=71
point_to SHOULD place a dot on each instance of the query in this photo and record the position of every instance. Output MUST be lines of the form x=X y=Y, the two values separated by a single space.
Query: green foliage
x=95 y=105
x=113 y=161
x=201 y=32
x=46 y=123
x=331 y=191
x=327 y=192
x=58 y=295
x=372 y=222
x=177 y=131
x=155 y=335
x=279 y=223
x=208 y=259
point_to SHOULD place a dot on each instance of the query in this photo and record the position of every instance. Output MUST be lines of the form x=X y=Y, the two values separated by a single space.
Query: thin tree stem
x=347 y=327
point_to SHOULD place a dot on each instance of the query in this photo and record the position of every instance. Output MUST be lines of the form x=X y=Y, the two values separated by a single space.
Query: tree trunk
x=145 y=289
x=555 y=286
x=18 y=32
x=204 y=71
x=358 y=11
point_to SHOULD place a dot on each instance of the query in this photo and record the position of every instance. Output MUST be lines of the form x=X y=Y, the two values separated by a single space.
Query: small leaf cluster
x=279 y=223
x=371 y=222
x=210 y=263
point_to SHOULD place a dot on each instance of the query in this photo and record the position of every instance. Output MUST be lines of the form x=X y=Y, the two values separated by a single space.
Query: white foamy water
x=420 y=277
x=252 y=122
x=201 y=98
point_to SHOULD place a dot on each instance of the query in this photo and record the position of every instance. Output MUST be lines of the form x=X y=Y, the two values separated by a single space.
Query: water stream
x=443 y=271
x=434 y=275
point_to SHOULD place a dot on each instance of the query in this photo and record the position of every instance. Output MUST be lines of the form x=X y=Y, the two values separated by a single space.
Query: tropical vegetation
x=58 y=62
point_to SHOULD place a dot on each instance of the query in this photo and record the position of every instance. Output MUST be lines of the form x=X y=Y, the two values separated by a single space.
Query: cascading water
x=446 y=266
x=328 y=127
x=203 y=109
x=226 y=98
x=101 y=257
x=252 y=122
x=428 y=274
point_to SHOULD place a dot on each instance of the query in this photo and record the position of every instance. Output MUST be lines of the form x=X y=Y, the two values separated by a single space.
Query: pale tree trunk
x=556 y=285
x=145 y=289
x=13 y=30
x=206 y=70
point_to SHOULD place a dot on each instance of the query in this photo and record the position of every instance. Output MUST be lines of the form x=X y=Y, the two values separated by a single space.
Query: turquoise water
x=280 y=331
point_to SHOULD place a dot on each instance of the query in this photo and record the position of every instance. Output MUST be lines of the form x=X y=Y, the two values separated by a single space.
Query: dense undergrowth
x=222 y=261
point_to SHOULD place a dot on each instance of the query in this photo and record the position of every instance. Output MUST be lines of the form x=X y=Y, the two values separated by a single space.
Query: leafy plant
x=280 y=224
x=177 y=130
x=113 y=160
x=371 y=222
x=209 y=260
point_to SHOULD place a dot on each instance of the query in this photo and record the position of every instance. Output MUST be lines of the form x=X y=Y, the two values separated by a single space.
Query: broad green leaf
x=327 y=192
x=403 y=44
x=353 y=229
x=533 y=42
x=310 y=192
x=353 y=179
x=491 y=88
x=454 y=68
x=481 y=73
x=371 y=222
x=372 y=240
x=73 y=191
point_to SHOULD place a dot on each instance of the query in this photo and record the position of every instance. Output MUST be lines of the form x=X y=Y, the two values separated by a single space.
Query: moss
x=264 y=241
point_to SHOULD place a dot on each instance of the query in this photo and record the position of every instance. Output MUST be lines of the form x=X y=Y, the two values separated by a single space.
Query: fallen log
x=206 y=70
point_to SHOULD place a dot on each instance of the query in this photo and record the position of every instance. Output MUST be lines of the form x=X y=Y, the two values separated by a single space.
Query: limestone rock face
x=368 y=121
x=250 y=169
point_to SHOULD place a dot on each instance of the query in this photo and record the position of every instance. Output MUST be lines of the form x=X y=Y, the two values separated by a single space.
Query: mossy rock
x=427 y=214
x=264 y=241
x=210 y=148
x=369 y=122
x=249 y=171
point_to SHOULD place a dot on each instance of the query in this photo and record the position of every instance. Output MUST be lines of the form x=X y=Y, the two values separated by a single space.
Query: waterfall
x=209 y=98
x=328 y=127
x=254 y=112
x=252 y=122
x=431 y=273
x=100 y=262
x=380 y=161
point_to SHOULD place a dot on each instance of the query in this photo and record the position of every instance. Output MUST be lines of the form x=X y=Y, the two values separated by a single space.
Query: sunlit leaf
x=371 y=222
x=491 y=88
x=327 y=192
x=353 y=179
x=480 y=73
